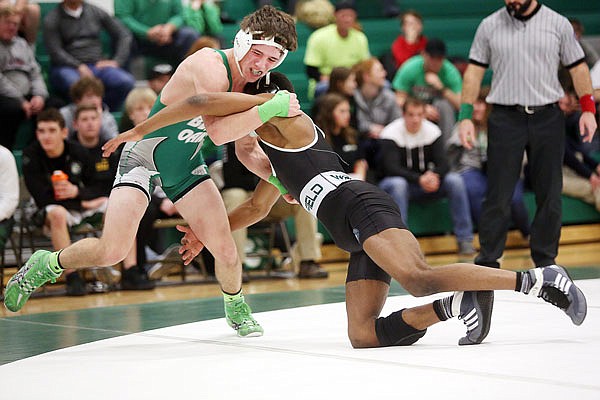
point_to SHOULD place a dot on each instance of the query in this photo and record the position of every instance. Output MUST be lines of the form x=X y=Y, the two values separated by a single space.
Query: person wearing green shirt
x=158 y=28
x=204 y=16
x=433 y=79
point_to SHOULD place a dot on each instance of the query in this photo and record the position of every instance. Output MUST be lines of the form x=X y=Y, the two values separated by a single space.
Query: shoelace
x=555 y=296
x=27 y=285
x=242 y=309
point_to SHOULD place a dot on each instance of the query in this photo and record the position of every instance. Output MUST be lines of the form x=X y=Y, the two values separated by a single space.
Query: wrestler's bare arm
x=253 y=210
x=253 y=157
x=218 y=104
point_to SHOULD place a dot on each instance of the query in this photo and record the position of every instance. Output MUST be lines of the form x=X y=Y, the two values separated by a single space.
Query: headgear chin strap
x=244 y=40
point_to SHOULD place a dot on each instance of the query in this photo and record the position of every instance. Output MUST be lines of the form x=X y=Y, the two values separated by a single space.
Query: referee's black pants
x=511 y=132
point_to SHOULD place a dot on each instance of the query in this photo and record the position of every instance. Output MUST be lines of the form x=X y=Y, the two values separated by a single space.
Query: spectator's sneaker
x=310 y=269
x=32 y=275
x=474 y=308
x=136 y=278
x=170 y=261
x=239 y=316
x=465 y=248
x=554 y=285
x=76 y=285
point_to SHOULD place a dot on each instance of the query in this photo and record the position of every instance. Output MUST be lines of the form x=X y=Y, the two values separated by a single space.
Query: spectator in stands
x=138 y=104
x=9 y=194
x=433 y=79
x=159 y=30
x=89 y=91
x=411 y=41
x=376 y=106
x=204 y=16
x=335 y=45
x=334 y=118
x=581 y=172
x=376 y=103
x=23 y=91
x=72 y=34
x=414 y=167
x=66 y=203
x=30 y=18
x=591 y=54
x=471 y=165
x=239 y=185
x=342 y=81
x=87 y=124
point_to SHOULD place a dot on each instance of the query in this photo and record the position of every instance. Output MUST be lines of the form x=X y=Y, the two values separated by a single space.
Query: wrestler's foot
x=36 y=271
x=554 y=285
x=239 y=316
x=474 y=308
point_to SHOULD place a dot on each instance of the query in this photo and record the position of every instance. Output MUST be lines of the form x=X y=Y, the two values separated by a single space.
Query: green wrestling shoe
x=36 y=271
x=239 y=316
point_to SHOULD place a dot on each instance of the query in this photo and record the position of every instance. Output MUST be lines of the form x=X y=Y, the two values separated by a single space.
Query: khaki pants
x=307 y=245
x=580 y=188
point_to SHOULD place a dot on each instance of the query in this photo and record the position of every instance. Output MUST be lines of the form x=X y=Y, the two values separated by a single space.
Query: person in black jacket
x=413 y=166
x=66 y=203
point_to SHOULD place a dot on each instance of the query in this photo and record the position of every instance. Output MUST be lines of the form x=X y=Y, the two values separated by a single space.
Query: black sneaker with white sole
x=474 y=308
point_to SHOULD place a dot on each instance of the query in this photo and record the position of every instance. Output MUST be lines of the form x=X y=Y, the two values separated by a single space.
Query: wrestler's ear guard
x=244 y=40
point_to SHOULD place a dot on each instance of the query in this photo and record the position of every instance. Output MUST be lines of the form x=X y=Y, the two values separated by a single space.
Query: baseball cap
x=344 y=5
x=435 y=48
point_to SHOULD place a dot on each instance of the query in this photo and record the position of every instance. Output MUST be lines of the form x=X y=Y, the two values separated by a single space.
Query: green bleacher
x=453 y=21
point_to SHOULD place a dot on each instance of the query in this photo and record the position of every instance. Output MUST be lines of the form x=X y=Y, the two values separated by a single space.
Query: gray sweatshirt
x=20 y=73
x=72 y=41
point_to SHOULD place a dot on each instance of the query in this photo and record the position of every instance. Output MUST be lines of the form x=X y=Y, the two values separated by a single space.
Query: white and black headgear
x=244 y=40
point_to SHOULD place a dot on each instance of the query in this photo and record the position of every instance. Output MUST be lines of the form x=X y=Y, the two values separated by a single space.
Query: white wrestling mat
x=532 y=351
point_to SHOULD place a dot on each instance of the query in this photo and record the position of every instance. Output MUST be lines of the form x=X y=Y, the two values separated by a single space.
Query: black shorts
x=353 y=213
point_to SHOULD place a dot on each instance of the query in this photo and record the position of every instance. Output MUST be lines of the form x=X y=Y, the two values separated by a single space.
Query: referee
x=523 y=44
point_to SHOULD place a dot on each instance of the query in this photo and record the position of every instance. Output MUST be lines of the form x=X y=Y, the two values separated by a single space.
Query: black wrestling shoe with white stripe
x=474 y=308
x=554 y=285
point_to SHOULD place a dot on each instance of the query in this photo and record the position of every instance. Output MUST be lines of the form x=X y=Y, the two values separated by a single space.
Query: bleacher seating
x=453 y=21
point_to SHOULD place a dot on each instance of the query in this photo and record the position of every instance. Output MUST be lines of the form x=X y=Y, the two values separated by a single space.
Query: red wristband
x=587 y=103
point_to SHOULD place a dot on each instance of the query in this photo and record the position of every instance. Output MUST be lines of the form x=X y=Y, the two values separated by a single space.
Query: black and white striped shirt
x=525 y=55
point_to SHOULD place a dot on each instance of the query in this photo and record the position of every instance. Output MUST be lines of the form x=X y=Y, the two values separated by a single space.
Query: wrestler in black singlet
x=351 y=210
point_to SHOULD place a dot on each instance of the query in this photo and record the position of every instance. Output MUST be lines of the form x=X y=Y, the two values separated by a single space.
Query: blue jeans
x=117 y=82
x=452 y=187
x=476 y=185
